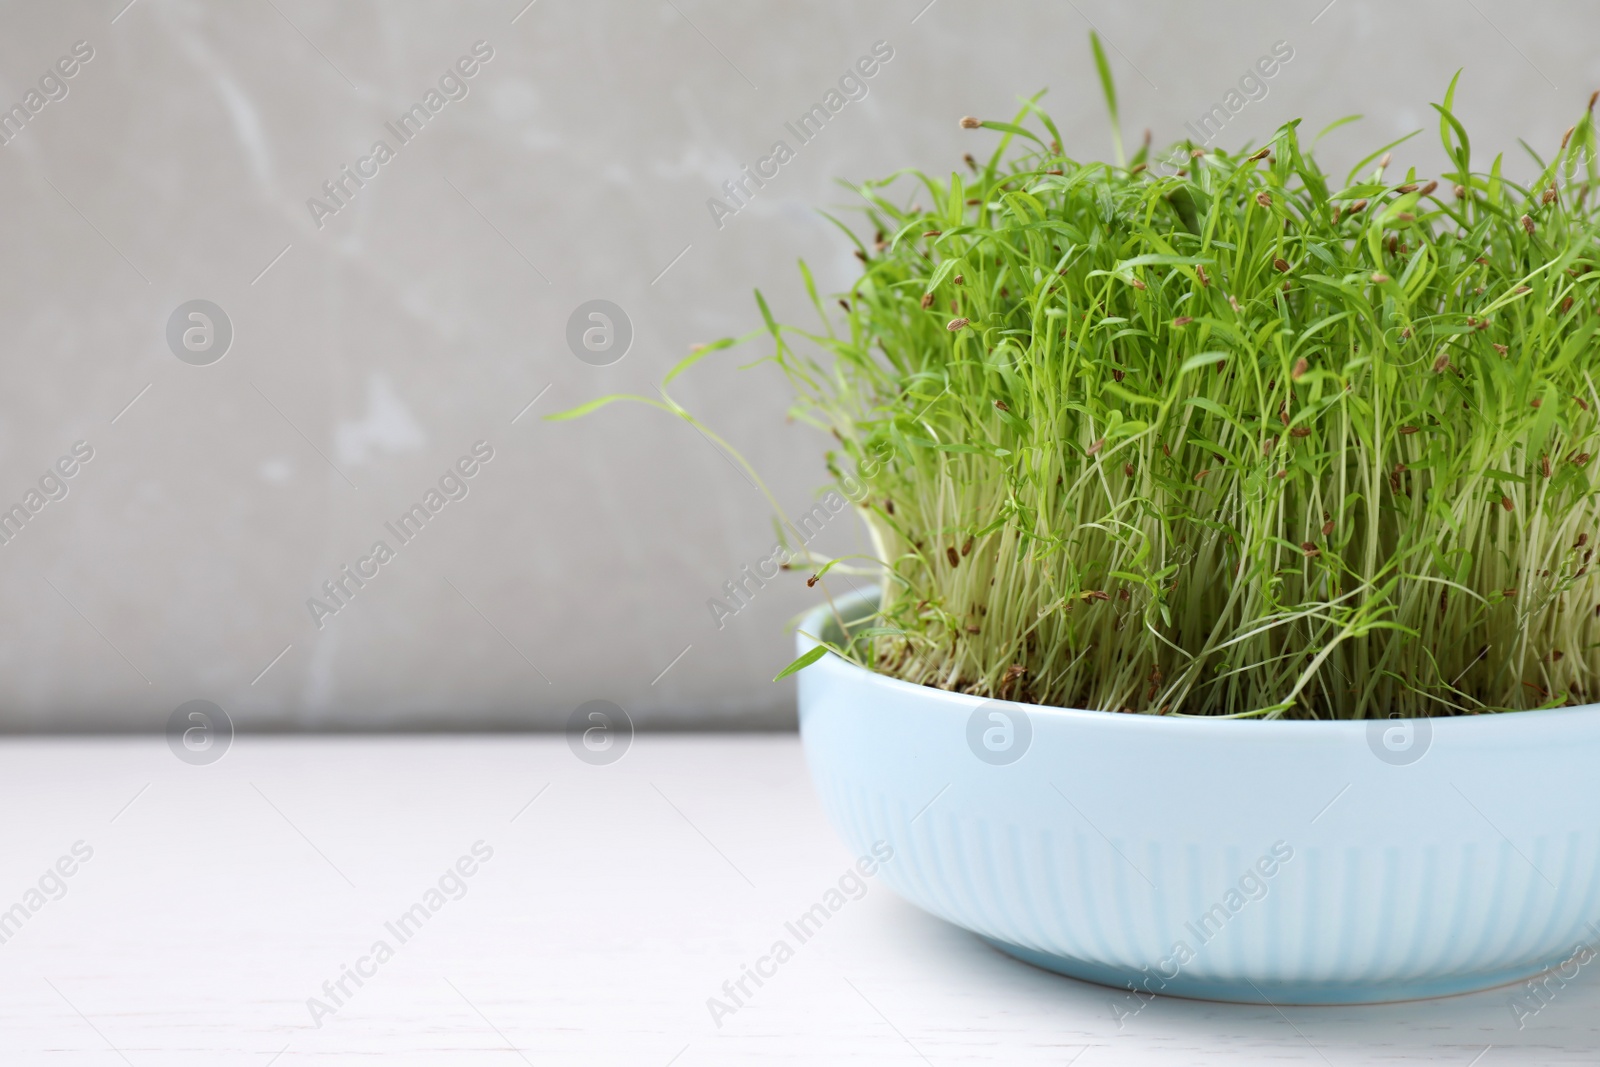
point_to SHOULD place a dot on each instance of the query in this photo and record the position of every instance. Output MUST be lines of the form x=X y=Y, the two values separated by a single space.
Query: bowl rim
x=816 y=618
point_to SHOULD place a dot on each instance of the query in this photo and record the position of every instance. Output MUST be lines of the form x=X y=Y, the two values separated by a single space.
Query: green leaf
x=1461 y=150
x=1392 y=144
x=802 y=663
x=944 y=270
x=1127 y=396
x=1405 y=203
x=1156 y=259
x=1330 y=127
x=702 y=352
x=595 y=405
x=1007 y=127
x=1109 y=88
x=766 y=316
x=1203 y=359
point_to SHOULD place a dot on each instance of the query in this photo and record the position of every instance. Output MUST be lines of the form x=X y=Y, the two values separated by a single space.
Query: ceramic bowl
x=1278 y=862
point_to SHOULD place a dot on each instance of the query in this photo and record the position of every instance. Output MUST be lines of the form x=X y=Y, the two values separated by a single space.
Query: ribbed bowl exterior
x=1290 y=862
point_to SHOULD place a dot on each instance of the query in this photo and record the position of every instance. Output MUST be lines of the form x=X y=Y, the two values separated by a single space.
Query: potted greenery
x=1286 y=484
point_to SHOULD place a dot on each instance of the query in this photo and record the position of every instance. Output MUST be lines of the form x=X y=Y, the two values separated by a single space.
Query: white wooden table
x=219 y=899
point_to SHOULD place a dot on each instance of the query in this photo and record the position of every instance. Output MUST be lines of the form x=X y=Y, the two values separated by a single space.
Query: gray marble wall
x=568 y=155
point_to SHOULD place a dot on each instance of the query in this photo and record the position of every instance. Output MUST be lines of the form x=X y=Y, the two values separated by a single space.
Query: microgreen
x=1223 y=437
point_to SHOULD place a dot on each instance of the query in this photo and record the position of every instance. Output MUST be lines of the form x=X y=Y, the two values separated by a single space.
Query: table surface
x=220 y=906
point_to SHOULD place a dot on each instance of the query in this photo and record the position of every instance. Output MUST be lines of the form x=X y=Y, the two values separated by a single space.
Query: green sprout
x=1215 y=436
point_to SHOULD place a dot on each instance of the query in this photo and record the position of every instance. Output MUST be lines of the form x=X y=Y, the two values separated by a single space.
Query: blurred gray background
x=372 y=351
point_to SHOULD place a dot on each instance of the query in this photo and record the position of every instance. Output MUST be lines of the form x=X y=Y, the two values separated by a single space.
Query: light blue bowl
x=1280 y=862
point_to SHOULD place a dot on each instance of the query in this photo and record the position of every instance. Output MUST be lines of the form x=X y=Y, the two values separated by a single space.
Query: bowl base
x=1244 y=991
